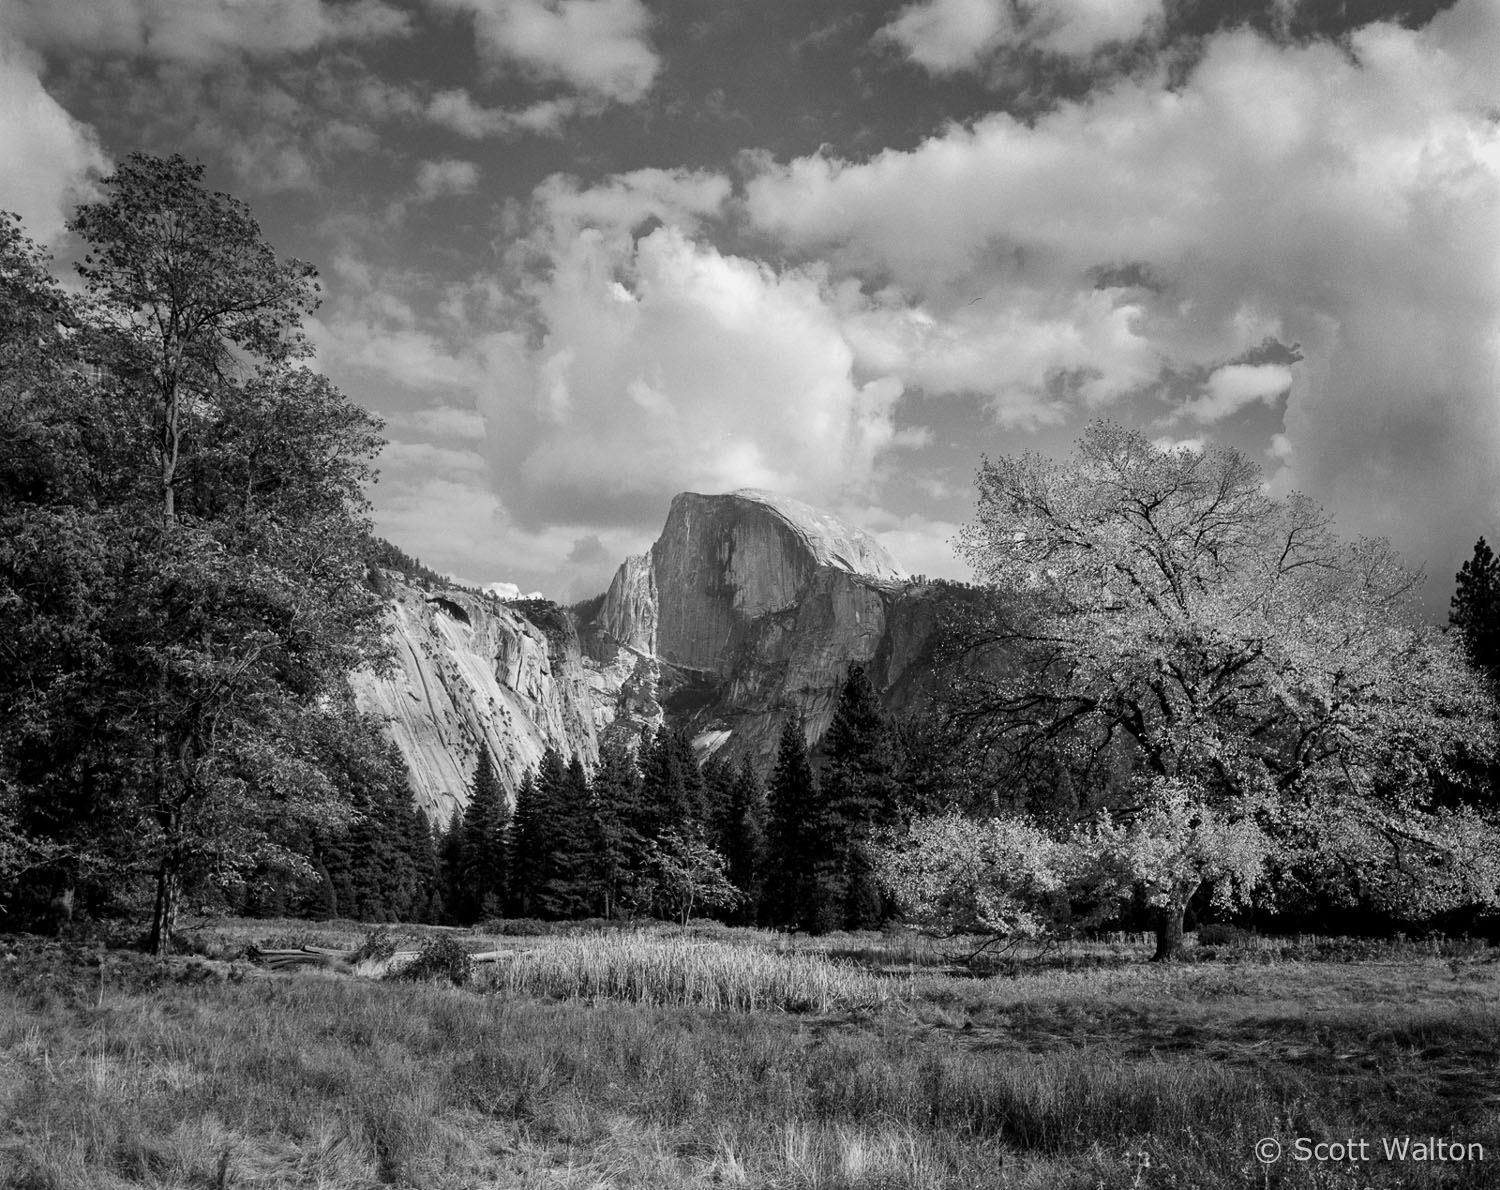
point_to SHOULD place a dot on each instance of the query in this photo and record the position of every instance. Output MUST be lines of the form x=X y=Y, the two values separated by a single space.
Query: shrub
x=440 y=958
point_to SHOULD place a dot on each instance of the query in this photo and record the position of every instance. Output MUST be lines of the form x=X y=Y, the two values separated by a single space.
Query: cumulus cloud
x=658 y=363
x=457 y=111
x=509 y=592
x=199 y=31
x=947 y=36
x=952 y=36
x=1230 y=388
x=435 y=179
x=46 y=156
x=1343 y=198
x=598 y=47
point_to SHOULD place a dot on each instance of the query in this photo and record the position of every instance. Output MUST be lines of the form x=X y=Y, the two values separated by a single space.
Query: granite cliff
x=747 y=610
x=754 y=605
x=470 y=669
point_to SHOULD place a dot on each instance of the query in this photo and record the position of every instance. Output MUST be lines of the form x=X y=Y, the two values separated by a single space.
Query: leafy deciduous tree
x=1228 y=649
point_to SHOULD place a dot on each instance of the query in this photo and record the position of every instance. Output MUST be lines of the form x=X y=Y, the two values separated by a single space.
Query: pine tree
x=861 y=791
x=1475 y=610
x=426 y=900
x=483 y=879
x=795 y=847
x=672 y=796
x=718 y=777
x=450 y=864
x=549 y=856
x=615 y=846
x=526 y=841
x=743 y=841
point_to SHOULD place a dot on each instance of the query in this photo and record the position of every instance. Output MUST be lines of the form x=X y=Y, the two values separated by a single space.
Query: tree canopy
x=1180 y=639
x=185 y=525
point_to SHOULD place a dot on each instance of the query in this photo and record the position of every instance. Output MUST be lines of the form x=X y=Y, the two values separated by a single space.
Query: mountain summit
x=747 y=611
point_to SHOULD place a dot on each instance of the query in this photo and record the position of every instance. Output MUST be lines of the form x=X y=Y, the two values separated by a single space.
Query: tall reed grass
x=661 y=970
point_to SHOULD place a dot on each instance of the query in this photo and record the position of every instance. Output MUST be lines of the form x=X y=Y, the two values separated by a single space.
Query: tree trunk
x=164 y=916
x=1169 y=925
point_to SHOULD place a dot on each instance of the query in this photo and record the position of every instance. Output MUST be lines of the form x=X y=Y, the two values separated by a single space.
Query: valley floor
x=709 y=1057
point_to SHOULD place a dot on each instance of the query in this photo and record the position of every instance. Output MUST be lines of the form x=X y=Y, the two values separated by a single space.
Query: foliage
x=183 y=524
x=1169 y=846
x=963 y=875
x=862 y=793
x=1174 y=620
x=1475 y=610
x=687 y=874
x=381 y=554
x=549 y=841
x=742 y=840
x=482 y=879
x=615 y=845
x=796 y=838
x=441 y=958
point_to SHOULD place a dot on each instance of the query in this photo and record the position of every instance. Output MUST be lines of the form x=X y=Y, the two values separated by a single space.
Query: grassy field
x=709 y=1057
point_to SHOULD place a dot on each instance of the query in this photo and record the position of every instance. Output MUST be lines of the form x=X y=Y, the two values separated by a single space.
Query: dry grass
x=658 y=969
x=215 y=1076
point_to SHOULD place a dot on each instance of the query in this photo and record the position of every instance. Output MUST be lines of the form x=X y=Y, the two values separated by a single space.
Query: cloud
x=1232 y=387
x=439 y=421
x=1343 y=198
x=656 y=362
x=435 y=179
x=948 y=36
x=46 y=156
x=953 y=36
x=199 y=31
x=456 y=111
x=1032 y=351
x=598 y=47
x=668 y=365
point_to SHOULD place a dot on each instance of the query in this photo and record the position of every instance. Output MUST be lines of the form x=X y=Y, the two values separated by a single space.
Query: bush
x=441 y=958
x=379 y=945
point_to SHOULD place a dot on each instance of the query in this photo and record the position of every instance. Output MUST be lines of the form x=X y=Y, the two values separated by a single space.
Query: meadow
x=710 y=1057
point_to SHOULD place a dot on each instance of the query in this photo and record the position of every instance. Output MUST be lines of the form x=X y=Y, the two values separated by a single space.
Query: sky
x=581 y=255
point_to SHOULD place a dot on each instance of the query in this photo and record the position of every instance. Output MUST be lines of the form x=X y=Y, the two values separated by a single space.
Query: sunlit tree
x=182 y=581
x=1219 y=662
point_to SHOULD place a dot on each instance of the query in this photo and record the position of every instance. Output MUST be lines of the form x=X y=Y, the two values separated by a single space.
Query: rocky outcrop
x=747 y=611
x=764 y=602
x=471 y=670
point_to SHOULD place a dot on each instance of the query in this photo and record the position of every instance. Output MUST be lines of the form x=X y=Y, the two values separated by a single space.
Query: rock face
x=747 y=611
x=755 y=605
x=470 y=670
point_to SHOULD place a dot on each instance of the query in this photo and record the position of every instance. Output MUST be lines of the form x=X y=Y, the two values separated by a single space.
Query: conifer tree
x=526 y=841
x=795 y=844
x=1475 y=610
x=861 y=792
x=743 y=841
x=566 y=893
x=483 y=879
x=550 y=855
x=718 y=777
x=450 y=864
x=672 y=797
x=615 y=846
x=426 y=903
